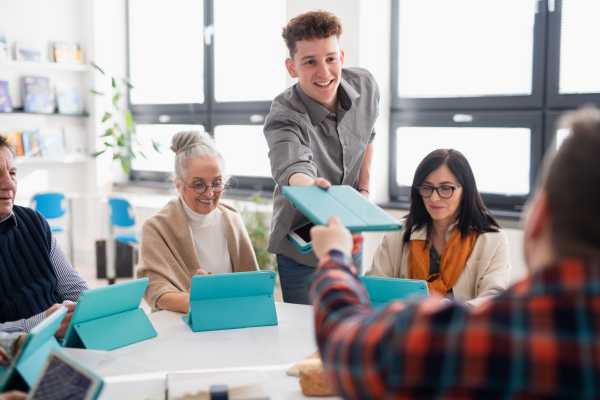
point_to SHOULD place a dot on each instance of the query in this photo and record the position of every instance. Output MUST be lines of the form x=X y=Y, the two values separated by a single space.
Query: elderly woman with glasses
x=449 y=239
x=193 y=234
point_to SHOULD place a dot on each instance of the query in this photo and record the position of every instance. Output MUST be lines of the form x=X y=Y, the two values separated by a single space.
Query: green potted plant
x=119 y=137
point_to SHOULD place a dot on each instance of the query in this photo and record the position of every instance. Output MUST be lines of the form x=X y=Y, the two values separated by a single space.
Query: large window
x=197 y=65
x=475 y=76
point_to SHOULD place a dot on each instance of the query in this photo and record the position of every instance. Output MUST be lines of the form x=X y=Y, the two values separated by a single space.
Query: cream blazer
x=168 y=256
x=484 y=275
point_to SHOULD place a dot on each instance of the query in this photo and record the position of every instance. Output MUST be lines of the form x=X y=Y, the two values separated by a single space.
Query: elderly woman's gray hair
x=190 y=145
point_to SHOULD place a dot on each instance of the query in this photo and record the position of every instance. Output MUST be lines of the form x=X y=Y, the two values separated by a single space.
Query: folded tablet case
x=381 y=290
x=109 y=317
x=354 y=210
x=230 y=301
x=27 y=364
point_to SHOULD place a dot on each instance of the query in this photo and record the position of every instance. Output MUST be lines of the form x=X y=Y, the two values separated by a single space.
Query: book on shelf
x=5 y=104
x=28 y=52
x=14 y=138
x=4 y=49
x=67 y=52
x=31 y=144
x=52 y=142
x=37 y=95
x=68 y=99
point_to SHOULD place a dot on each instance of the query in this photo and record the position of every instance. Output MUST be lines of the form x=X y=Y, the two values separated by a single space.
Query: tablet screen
x=61 y=380
x=304 y=231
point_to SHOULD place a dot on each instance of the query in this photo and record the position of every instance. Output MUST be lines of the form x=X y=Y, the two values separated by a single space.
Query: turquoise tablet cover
x=28 y=363
x=109 y=317
x=354 y=210
x=381 y=290
x=230 y=301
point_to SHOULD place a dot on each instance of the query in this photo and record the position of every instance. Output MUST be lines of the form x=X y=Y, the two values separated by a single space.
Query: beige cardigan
x=168 y=256
x=485 y=273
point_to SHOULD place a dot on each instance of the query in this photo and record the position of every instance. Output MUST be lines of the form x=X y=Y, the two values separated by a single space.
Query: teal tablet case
x=231 y=301
x=381 y=290
x=355 y=211
x=27 y=364
x=109 y=317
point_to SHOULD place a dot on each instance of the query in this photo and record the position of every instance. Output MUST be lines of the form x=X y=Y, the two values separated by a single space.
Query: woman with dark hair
x=449 y=239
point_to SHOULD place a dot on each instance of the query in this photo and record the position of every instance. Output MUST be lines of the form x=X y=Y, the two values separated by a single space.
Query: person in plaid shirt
x=538 y=340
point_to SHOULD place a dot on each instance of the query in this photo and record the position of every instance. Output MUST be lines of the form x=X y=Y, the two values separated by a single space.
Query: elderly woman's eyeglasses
x=200 y=188
x=445 y=192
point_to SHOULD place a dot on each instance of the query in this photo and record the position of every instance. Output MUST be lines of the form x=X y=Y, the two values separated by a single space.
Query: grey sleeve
x=288 y=151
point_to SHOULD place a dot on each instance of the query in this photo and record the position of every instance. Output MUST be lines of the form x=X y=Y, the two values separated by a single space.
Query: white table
x=139 y=371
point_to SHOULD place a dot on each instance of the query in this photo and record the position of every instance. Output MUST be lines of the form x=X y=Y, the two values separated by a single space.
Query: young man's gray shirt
x=304 y=137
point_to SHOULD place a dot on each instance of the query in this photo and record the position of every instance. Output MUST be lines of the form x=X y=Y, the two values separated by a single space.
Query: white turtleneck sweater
x=208 y=232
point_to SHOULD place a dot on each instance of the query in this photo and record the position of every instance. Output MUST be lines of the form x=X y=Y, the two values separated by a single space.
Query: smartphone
x=300 y=236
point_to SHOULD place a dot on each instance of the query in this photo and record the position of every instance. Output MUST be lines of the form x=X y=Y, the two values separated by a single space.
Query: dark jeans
x=294 y=278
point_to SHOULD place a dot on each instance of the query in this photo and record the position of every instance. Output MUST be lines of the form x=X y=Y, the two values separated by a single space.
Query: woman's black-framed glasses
x=200 y=188
x=445 y=192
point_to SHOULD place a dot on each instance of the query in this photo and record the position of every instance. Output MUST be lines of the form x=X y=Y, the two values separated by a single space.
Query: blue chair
x=122 y=216
x=53 y=206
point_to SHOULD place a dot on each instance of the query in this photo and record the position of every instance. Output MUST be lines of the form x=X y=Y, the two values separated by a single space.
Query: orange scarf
x=454 y=257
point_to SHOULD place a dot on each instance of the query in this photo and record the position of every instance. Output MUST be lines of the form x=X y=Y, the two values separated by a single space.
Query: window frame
x=543 y=107
x=554 y=98
x=534 y=100
x=507 y=206
x=211 y=112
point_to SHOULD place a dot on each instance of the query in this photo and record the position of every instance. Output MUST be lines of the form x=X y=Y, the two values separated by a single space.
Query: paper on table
x=89 y=358
x=242 y=385
x=185 y=333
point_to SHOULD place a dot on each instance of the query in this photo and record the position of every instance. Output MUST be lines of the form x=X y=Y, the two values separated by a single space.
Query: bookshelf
x=43 y=66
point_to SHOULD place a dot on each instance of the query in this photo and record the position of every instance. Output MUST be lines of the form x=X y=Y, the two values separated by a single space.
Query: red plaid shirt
x=538 y=340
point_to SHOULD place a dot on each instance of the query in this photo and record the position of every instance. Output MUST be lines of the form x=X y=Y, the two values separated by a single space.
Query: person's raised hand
x=202 y=272
x=322 y=183
x=334 y=236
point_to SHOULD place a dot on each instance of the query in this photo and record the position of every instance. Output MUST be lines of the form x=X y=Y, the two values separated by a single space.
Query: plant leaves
x=125 y=163
x=142 y=154
x=114 y=82
x=126 y=82
x=98 y=68
x=108 y=144
x=96 y=154
x=116 y=98
x=96 y=92
x=109 y=132
x=128 y=119
x=156 y=146
x=107 y=116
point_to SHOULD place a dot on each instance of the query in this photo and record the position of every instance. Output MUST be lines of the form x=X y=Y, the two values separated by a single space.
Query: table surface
x=139 y=371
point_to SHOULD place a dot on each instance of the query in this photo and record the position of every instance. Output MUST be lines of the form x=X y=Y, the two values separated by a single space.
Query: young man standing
x=537 y=340
x=320 y=132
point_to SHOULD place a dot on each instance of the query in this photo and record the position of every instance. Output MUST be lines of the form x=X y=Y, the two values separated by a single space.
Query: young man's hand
x=334 y=236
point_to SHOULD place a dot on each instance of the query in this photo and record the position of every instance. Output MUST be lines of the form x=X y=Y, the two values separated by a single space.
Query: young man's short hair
x=573 y=186
x=311 y=25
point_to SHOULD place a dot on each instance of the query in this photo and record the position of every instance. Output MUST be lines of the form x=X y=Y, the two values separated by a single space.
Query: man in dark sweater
x=36 y=277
